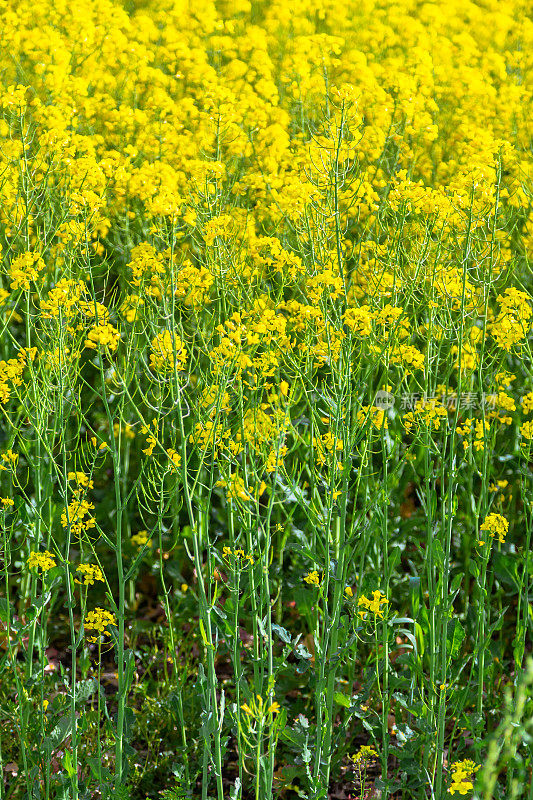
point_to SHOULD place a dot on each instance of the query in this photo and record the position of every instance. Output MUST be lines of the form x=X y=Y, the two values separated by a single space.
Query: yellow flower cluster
x=25 y=268
x=427 y=413
x=77 y=515
x=375 y=606
x=90 y=573
x=365 y=755
x=224 y=225
x=375 y=415
x=495 y=525
x=313 y=578
x=99 y=620
x=257 y=708
x=8 y=460
x=462 y=776
x=475 y=429
x=236 y=488
x=43 y=561
x=237 y=555
x=140 y=539
x=11 y=372
x=167 y=352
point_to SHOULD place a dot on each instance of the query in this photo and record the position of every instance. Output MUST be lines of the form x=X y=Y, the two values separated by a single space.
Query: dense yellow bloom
x=526 y=429
x=495 y=525
x=527 y=403
x=12 y=370
x=285 y=205
x=313 y=578
x=103 y=334
x=43 y=561
x=90 y=573
x=462 y=777
x=513 y=320
x=63 y=299
x=25 y=268
x=99 y=620
x=167 y=350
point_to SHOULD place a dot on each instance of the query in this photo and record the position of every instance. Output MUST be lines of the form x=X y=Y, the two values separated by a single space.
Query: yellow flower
x=99 y=620
x=25 y=268
x=175 y=459
x=140 y=539
x=258 y=710
x=151 y=439
x=495 y=525
x=366 y=754
x=238 y=555
x=81 y=479
x=43 y=561
x=527 y=403
x=77 y=515
x=312 y=578
x=375 y=605
x=462 y=777
x=236 y=488
x=8 y=460
x=526 y=429
x=167 y=350
x=90 y=573
x=103 y=334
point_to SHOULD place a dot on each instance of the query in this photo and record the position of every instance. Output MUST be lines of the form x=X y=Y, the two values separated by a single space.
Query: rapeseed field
x=266 y=399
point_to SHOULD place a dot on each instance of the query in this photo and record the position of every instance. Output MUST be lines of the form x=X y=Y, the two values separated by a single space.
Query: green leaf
x=454 y=638
x=58 y=734
x=456 y=583
x=394 y=558
x=283 y=633
x=438 y=552
x=505 y=567
x=342 y=699
x=473 y=569
x=5 y=610
x=68 y=764
x=85 y=689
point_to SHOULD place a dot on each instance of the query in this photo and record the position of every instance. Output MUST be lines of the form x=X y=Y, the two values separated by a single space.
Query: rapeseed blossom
x=495 y=525
x=43 y=561
x=224 y=228
x=375 y=605
x=462 y=777
x=89 y=573
x=99 y=620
